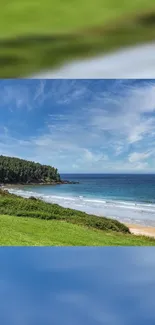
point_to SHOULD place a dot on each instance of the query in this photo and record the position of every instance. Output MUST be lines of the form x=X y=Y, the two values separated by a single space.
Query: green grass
x=22 y=207
x=34 y=232
x=38 y=35
x=34 y=222
x=48 y=16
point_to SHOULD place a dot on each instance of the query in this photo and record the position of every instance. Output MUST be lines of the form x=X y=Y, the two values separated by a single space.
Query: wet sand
x=142 y=230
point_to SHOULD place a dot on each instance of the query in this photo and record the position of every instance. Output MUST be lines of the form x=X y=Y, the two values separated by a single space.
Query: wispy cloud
x=139 y=156
x=100 y=125
x=22 y=94
x=40 y=90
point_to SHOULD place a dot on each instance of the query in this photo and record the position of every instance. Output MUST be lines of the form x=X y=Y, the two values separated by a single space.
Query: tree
x=15 y=170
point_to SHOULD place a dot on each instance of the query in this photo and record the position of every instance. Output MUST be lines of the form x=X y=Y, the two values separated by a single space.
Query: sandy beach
x=142 y=230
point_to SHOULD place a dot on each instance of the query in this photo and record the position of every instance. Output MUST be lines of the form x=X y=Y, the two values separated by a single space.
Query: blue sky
x=79 y=286
x=93 y=126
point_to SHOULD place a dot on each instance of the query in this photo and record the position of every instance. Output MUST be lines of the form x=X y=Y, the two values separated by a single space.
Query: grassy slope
x=34 y=222
x=15 y=231
x=22 y=207
x=118 y=25
x=47 y=16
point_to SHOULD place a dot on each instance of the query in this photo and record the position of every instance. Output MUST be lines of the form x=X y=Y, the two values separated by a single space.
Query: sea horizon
x=106 y=173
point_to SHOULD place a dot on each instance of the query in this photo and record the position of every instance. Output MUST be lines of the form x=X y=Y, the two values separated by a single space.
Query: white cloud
x=129 y=118
x=40 y=89
x=94 y=157
x=140 y=130
x=118 y=150
x=138 y=156
x=95 y=132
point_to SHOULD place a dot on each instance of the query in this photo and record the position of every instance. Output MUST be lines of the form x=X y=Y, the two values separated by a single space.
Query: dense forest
x=15 y=170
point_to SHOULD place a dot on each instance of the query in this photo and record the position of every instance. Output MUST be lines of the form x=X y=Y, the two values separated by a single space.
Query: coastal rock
x=3 y=191
x=69 y=182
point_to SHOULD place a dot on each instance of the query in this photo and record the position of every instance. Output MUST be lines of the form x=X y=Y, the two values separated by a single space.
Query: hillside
x=16 y=231
x=15 y=170
x=37 y=223
x=11 y=204
x=38 y=36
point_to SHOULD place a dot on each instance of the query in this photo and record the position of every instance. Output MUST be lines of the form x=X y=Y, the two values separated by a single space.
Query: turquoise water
x=129 y=198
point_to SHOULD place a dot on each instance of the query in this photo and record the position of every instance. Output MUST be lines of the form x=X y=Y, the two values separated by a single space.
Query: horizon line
x=127 y=173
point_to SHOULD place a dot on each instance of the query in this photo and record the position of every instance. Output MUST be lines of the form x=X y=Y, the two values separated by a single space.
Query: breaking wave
x=125 y=211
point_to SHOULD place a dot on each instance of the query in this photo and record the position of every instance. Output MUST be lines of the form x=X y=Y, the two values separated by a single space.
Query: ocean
x=127 y=198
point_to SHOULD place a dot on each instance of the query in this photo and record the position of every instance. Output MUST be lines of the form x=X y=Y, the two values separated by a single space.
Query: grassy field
x=38 y=35
x=47 y=16
x=16 y=231
x=29 y=222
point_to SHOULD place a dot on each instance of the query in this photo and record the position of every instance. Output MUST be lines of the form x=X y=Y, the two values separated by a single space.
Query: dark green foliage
x=17 y=206
x=15 y=170
x=32 y=198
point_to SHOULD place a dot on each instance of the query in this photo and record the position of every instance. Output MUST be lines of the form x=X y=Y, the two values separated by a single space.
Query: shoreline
x=2 y=186
x=63 y=182
x=140 y=230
